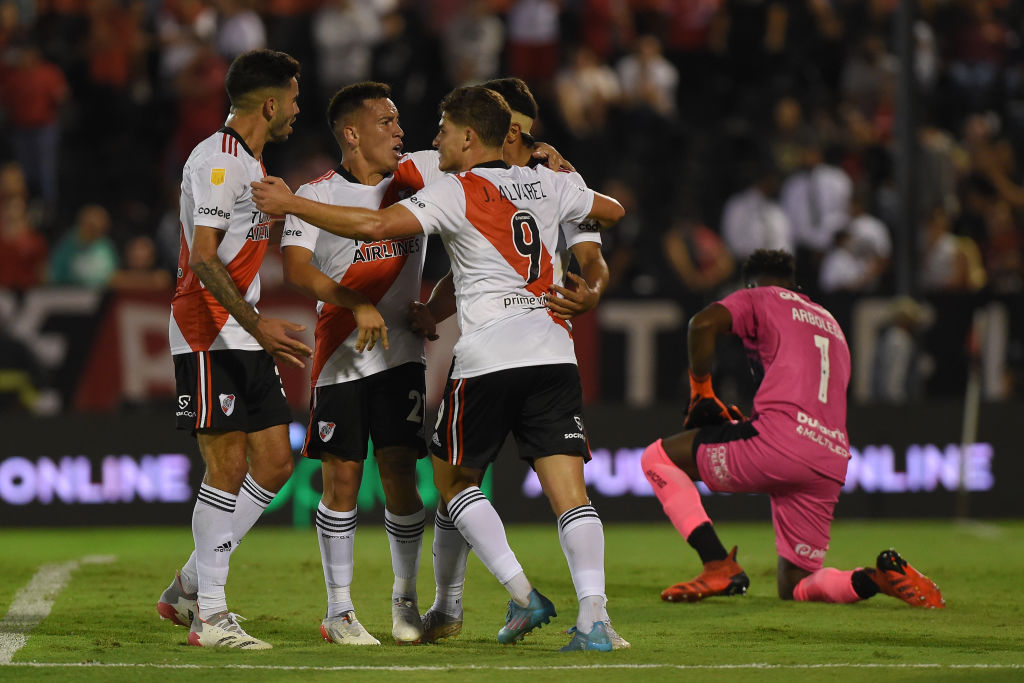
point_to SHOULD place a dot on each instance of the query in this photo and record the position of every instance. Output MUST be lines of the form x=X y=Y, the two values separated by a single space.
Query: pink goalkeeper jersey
x=801 y=403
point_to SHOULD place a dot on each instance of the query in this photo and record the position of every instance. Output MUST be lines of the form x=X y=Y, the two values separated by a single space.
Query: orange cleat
x=894 y=576
x=720 y=577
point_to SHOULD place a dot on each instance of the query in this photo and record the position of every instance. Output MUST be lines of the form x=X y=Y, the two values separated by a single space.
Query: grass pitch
x=103 y=624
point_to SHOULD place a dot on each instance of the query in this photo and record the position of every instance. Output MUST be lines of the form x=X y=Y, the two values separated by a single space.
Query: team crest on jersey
x=326 y=430
x=227 y=403
x=217 y=176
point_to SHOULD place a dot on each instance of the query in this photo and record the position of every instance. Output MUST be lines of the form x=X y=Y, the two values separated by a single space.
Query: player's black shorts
x=541 y=405
x=230 y=390
x=385 y=408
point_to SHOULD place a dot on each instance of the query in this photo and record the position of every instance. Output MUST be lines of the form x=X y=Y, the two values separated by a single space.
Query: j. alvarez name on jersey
x=385 y=249
x=516 y=191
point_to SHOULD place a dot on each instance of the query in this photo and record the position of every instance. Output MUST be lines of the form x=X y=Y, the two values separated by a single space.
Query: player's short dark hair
x=256 y=70
x=516 y=93
x=350 y=98
x=483 y=110
x=771 y=262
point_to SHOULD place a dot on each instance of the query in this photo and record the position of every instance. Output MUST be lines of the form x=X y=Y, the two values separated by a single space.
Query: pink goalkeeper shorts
x=738 y=458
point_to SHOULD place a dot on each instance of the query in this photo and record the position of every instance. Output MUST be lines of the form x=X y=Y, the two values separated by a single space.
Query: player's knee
x=274 y=474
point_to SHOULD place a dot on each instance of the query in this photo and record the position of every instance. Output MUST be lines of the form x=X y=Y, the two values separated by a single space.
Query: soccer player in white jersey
x=500 y=226
x=229 y=390
x=580 y=294
x=368 y=366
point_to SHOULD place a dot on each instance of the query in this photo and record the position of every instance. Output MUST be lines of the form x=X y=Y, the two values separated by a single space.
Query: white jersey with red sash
x=387 y=272
x=215 y=192
x=501 y=228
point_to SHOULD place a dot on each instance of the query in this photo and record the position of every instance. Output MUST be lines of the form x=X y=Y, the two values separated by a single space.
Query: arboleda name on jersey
x=385 y=249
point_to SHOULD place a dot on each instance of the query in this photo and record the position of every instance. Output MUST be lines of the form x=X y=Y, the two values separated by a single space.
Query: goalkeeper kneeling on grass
x=794 y=447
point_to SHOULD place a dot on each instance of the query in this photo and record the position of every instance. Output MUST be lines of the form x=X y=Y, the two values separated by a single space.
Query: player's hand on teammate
x=371 y=327
x=571 y=301
x=271 y=195
x=272 y=334
x=551 y=158
x=706 y=409
x=421 y=321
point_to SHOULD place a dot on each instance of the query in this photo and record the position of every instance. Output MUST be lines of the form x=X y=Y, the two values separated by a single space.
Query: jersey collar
x=496 y=163
x=233 y=133
x=343 y=172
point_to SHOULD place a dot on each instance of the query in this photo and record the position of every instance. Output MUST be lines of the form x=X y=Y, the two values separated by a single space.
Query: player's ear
x=350 y=135
x=513 y=133
x=269 y=107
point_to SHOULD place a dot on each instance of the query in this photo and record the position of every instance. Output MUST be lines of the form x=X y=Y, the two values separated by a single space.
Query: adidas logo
x=224 y=547
x=653 y=476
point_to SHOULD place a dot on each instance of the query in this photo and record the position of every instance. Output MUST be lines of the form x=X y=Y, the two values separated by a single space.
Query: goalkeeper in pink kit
x=794 y=448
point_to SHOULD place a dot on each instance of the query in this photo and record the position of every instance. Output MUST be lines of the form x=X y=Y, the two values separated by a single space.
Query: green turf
x=106 y=613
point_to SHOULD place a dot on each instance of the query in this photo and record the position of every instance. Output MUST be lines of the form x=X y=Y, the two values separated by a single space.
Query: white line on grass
x=476 y=667
x=33 y=603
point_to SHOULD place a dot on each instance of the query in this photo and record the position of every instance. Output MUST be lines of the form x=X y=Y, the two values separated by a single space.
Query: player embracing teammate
x=500 y=226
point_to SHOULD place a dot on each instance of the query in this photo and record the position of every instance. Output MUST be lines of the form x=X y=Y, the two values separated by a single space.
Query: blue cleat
x=598 y=639
x=521 y=620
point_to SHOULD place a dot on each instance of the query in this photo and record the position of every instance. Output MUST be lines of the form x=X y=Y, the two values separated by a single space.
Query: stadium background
x=674 y=107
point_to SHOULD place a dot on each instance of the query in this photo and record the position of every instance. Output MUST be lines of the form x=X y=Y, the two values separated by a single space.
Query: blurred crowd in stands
x=722 y=126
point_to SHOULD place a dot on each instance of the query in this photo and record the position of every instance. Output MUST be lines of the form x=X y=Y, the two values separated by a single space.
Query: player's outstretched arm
x=271 y=333
x=273 y=196
x=300 y=273
x=606 y=211
x=586 y=291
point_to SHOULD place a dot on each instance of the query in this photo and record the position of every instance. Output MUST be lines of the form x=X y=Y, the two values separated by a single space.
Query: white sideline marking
x=34 y=601
x=474 y=667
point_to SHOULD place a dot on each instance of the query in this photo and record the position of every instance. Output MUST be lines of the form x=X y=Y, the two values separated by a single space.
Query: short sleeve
x=438 y=206
x=297 y=232
x=741 y=307
x=575 y=199
x=426 y=162
x=217 y=183
x=586 y=230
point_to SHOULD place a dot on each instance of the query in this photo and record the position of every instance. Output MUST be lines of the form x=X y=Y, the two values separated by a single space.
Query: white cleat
x=618 y=642
x=175 y=605
x=345 y=629
x=222 y=630
x=406 y=626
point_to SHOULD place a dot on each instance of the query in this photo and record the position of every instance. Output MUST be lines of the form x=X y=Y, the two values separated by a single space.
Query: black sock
x=863 y=585
x=705 y=541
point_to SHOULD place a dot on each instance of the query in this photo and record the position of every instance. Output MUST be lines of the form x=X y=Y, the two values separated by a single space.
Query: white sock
x=211 y=529
x=405 y=538
x=252 y=500
x=479 y=523
x=451 y=553
x=336 y=532
x=582 y=537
